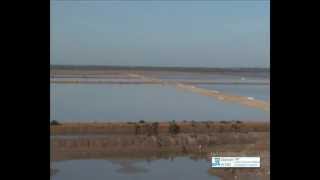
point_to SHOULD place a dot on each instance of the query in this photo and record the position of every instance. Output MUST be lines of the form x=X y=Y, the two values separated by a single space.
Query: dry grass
x=162 y=128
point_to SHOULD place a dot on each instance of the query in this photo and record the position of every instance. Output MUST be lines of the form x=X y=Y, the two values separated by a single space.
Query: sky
x=160 y=33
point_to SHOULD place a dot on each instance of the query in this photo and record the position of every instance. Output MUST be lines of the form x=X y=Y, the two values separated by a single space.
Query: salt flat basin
x=123 y=103
x=260 y=92
x=210 y=76
x=221 y=78
x=181 y=168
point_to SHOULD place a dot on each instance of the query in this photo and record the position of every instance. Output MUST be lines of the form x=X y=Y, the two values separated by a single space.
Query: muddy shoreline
x=113 y=71
x=165 y=140
x=154 y=128
x=130 y=139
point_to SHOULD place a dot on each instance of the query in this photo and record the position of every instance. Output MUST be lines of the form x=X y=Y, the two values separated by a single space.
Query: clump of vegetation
x=238 y=122
x=184 y=149
x=141 y=121
x=193 y=123
x=151 y=129
x=54 y=123
x=224 y=122
x=155 y=127
x=146 y=128
x=207 y=124
x=137 y=129
x=173 y=128
x=221 y=129
x=235 y=127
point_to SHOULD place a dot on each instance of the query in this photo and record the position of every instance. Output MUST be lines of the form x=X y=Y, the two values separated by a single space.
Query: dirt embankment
x=128 y=139
x=165 y=140
x=155 y=128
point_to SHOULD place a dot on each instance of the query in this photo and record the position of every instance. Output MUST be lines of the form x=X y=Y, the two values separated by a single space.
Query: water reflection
x=181 y=168
x=129 y=167
x=174 y=168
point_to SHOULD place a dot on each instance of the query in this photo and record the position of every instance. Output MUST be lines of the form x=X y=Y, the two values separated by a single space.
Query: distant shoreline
x=160 y=68
x=147 y=75
x=85 y=81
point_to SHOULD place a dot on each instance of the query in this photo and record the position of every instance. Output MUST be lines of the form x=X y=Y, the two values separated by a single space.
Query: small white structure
x=243 y=78
x=251 y=98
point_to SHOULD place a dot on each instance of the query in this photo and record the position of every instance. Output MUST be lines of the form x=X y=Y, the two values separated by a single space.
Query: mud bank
x=155 y=128
x=129 y=139
x=148 y=141
x=141 y=145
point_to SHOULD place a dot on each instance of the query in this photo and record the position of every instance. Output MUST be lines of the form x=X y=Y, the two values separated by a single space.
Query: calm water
x=181 y=168
x=216 y=77
x=111 y=102
x=261 y=92
x=213 y=77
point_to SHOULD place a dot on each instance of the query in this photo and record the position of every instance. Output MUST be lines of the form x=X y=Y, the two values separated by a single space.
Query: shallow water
x=214 y=77
x=111 y=102
x=181 y=168
x=261 y=92
x=180 y=76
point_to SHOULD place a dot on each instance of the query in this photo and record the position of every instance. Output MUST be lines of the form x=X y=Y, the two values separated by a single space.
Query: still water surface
x=261 y=92
x=113 y=102
x=181 y=168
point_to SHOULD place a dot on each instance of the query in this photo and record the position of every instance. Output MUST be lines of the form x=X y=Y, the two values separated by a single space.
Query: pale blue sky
x=161 y=33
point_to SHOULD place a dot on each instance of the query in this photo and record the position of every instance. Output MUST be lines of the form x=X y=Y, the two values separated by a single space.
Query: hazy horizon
x=208 y=34
x=229 y=67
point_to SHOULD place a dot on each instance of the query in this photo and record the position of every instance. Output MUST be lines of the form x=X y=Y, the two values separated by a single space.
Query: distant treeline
x=153 y=68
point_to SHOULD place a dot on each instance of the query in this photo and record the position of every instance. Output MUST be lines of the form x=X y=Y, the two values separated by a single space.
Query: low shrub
x=137 y=129
x=224 y=122
x=174 y=128
x=155 y=127
x=235 y=127
x=193 y=123
x=207 y=124
x=54 y=123
x=141 y=121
